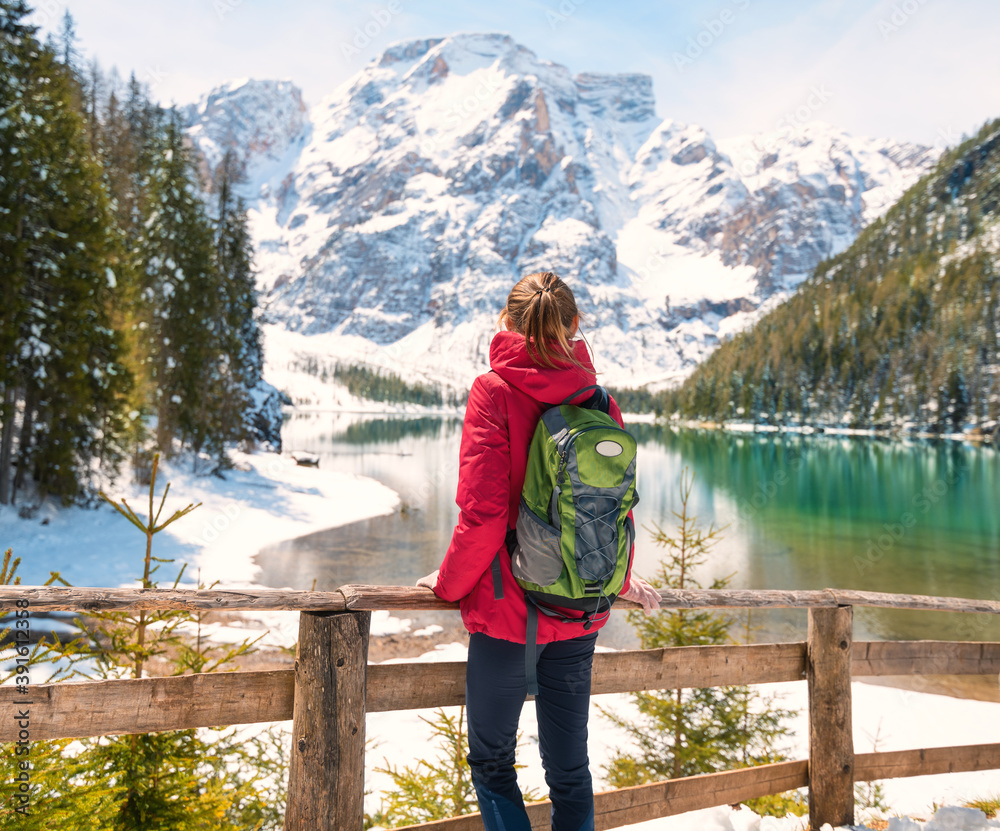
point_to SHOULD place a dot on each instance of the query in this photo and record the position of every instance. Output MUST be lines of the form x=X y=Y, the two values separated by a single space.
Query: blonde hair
x=542 y=308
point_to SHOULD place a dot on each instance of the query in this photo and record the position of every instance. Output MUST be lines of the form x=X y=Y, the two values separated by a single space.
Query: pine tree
x=79 y=398
x=180 y=295
x=68 y=52
x=125 y=139
x=18 y=48
x=120 y=294
x=242 y=350
x=93 y=92
x=685 y=732
x=174 y=780
x=50 y=804
x=66 y=376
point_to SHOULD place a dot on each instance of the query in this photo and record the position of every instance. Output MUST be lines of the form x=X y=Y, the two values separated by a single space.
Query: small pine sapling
x=436 y=789
x=168 y=781
x=56 y=797
x=870 y=796
x=685 y=732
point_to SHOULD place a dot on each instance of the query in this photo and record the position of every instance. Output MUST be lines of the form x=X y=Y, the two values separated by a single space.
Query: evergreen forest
x=127 y=316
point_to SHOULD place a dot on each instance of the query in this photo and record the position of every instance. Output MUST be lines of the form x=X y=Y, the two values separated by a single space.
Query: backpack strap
x=531 y=628
x=510 y=541
x=497 y=577
x=531 y=648
x=600 y=400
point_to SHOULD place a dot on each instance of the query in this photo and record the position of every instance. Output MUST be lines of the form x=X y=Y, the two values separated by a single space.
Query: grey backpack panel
x=538 y=555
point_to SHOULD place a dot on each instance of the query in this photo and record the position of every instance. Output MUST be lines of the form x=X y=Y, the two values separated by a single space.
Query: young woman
x=535 y=363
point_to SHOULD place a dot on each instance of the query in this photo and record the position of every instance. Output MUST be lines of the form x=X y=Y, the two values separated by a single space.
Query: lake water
x=799 y=512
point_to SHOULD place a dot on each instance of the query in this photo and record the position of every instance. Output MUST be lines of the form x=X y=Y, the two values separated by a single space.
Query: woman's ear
x=574 y=325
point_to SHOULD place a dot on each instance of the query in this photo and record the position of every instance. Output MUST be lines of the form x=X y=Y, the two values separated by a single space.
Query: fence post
x=831 y=743
x=326 y=778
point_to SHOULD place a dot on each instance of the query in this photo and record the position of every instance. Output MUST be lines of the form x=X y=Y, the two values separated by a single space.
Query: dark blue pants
x=495 y=689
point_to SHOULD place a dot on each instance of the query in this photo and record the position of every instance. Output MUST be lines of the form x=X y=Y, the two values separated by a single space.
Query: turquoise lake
x=797 y=512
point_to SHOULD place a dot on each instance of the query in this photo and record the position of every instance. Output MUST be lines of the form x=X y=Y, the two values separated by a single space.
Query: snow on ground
x=743 y=819
x=265 y=500
x=664 y=269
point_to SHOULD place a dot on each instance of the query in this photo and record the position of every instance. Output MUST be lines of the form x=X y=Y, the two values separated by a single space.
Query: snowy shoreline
x=265 y=499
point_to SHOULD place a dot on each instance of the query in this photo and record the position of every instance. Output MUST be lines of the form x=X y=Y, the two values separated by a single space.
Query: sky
x=918 y=70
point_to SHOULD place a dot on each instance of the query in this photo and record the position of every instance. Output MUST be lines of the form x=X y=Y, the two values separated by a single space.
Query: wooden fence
x=332 y=687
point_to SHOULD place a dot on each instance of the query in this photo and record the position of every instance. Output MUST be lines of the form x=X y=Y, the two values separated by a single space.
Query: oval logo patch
x=609 y=448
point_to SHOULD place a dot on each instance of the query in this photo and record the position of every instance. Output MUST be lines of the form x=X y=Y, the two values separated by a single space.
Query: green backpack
x=572 y=545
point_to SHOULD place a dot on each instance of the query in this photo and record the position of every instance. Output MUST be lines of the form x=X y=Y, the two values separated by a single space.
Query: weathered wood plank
x=405 y=686
x=612 y=809
x=63 y=598
x=925 y=658
x=884 y=600
x=678 y=796
x=645 y=802
x=415 y=599
x=76 y=710
x=402 y=597
x=415 y=686
x=896 y=764
x=326 y=777
x=831 y=743
x=697 y=666
x=97 y=708
x=100 y=708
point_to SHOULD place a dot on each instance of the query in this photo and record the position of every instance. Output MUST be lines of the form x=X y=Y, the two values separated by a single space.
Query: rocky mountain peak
x=411 y=198
x=258 y=120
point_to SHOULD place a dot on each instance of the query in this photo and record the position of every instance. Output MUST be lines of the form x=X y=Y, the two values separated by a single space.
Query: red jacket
x=500 y=419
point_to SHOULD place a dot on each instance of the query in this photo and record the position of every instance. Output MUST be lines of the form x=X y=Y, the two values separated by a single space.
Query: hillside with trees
x=899 y=331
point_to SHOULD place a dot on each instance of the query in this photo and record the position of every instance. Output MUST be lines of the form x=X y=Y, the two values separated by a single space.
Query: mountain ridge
x=901 y=331
x=409 y=200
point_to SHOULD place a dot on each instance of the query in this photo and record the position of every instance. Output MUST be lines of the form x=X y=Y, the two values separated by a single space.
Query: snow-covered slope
x=394 y=220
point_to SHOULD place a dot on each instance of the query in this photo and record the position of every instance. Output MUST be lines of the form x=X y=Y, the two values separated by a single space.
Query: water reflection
x=384 y=430
x=799 y=512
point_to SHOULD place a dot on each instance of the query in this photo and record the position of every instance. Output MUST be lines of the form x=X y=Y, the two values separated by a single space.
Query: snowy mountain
x=393 y=217
x=259 y=120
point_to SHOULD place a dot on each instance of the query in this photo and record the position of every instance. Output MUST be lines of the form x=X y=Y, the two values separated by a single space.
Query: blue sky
x=922 y=70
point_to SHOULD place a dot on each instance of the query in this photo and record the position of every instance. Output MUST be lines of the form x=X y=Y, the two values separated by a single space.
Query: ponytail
x=542 y=308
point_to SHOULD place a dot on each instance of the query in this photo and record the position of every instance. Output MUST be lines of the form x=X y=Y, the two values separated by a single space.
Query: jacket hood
x=510 y=360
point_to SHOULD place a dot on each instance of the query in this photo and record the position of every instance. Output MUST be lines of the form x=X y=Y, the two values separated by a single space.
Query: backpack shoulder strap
x=600 y=400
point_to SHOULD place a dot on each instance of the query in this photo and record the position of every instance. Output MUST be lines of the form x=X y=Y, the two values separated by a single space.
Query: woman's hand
x=644 y=594
x=430 y=581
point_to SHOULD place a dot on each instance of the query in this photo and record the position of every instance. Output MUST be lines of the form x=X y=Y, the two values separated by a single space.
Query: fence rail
x=332 y=688
x=405 y=598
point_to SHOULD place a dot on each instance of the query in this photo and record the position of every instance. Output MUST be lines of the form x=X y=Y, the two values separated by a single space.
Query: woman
x=535 y=363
